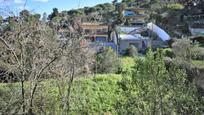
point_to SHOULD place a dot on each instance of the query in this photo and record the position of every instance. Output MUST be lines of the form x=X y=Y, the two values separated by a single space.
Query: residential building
x=135 y=16
x=155 y=37
x=95 y=31
x=196 y=24
x=131 y=35
x=98 y=35
x=126 y=40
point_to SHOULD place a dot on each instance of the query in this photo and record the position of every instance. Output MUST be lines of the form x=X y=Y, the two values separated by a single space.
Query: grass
x=198 y=63
x=92 y=95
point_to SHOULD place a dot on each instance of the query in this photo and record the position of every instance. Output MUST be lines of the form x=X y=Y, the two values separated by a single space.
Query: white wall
x=125 y=44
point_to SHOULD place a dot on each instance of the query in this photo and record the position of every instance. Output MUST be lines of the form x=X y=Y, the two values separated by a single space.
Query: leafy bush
x=175 y=6
x=107 y=62
x=93 y=95
x=198 y=53
x=198 y=64
x=127 y=63
x=132 y=51
x=182 y=49
x=96 y=95
x=152 y=89
x=168 y=53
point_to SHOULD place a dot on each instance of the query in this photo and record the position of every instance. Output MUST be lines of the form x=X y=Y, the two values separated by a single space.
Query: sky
x=41 y=6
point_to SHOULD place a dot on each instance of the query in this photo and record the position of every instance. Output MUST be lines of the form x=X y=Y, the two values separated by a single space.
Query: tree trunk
x=23 y=95
x=69 y=87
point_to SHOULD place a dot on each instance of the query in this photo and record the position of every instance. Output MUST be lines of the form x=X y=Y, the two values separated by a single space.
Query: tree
x=107 y=62
x=29 y=49
x=114 y=2
x=152 y=89
x=25 y=14
x=183 y=51
x=55 y=13
x=120 y=8
x=37 y=16
x=1 y=20
x=44 y=18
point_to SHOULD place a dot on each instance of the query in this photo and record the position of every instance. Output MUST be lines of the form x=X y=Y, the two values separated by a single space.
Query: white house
x=126 y=40
x=197 y=29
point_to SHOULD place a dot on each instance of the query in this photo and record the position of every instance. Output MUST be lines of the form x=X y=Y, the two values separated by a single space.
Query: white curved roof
x=160 y=32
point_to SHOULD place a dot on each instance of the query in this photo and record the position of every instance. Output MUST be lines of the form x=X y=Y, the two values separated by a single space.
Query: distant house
x=196 y=24
x=99 y=35
x=95 y=31
x=126 y=40
x=197 y=29
x=131 y=35
x=136 y=16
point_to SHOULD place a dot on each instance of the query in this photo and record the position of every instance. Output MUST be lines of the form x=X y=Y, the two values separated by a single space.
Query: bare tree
x=32 y=47
x=32 y=52
x=72 y=64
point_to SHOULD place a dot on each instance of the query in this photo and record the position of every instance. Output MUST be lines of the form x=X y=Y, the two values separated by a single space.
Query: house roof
x=128 y=29
x=94 y=24
x=131 y=37
x=90 y=25
x=159 y=31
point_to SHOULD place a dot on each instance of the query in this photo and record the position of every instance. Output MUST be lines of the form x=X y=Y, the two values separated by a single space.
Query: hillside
x=122 y=58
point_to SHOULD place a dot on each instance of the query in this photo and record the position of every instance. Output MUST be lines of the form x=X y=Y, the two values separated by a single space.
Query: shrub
x=132 y=51
x=107 y=62
x=127 y=63
x=198 y=53
x=175 y=6
x=182 y=48
x=152 y=89
x=168 y=53
x=93 y=95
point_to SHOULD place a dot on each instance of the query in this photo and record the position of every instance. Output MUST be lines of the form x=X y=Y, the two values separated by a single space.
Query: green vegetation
x=198 y=63
x=146 y=86
x=107 y=62
x=49 y=71
x=127 y=63
x=132 y=51
x=93 y=95
x=175 y=6
x=152 y=89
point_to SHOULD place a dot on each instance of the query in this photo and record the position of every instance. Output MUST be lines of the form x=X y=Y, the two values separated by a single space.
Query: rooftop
x=131 y=37
x=93 y=25
x=129 y=29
